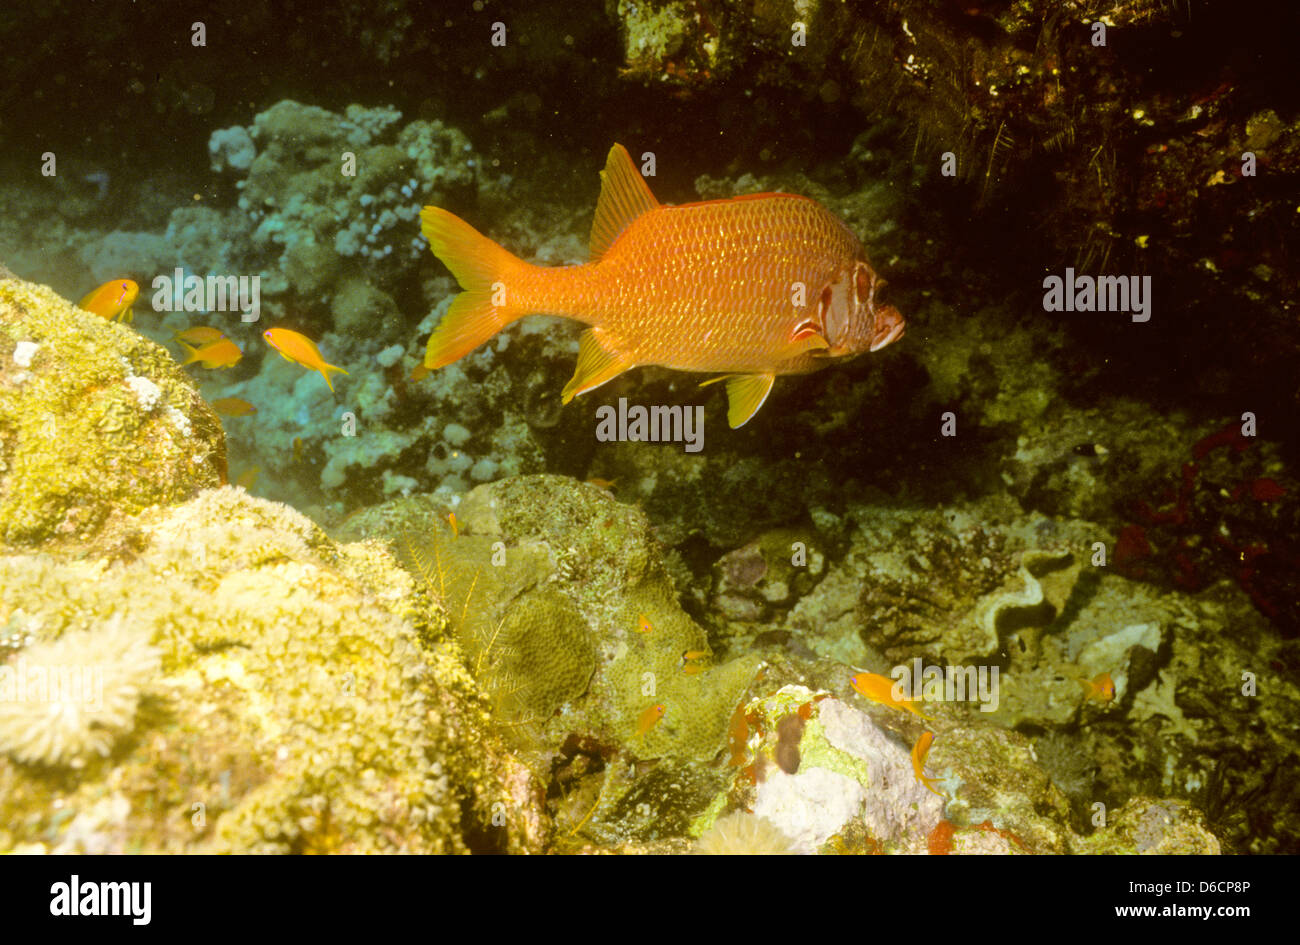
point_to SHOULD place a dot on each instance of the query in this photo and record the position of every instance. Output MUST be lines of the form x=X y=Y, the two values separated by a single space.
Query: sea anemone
x=66 y=700
x=742 y=834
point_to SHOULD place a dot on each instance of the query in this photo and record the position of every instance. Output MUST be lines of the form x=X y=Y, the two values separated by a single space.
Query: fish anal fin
x=624 y=196
x=598 y=362
x=745 y=394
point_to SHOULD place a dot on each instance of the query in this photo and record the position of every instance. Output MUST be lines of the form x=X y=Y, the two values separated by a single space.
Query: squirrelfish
x=112 y=300
x=222 y=353
x=1101 y=688
x=650 y=718
x=880 y=689
x=233 y=407
x=300 y=349
x=919 y=751
x=750 y=287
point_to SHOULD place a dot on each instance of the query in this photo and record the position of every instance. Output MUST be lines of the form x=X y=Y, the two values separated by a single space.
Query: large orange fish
x=751 y=287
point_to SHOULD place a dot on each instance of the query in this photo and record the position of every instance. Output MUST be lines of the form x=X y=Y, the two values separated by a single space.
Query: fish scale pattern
x=707 y=286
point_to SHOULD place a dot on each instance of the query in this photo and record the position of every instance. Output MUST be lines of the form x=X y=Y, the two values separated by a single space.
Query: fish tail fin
x=192 y=351
x=482 y=268
x=325 y=373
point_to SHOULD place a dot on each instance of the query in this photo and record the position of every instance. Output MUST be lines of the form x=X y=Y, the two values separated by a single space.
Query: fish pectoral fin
x=745 y=394
x=597 y=364
x=806 y=339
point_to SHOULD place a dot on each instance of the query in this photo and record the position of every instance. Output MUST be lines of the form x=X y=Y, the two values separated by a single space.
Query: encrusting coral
x=96 y=421
x=297 y=708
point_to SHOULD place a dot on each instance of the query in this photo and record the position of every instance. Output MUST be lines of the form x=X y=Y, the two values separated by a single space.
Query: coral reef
x=295 y=708
x=445 y=641
x=95 y=422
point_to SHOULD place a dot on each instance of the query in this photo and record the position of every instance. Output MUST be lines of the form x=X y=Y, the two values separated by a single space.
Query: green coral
x=545 y=588
x=96 y=422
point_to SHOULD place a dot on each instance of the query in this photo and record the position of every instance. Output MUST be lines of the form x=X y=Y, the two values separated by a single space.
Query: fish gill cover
x=436 y=286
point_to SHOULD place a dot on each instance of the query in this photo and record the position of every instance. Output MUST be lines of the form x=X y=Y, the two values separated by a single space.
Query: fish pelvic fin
x=597 y=364
x=624 y=196
x=483 y=269
x=745 y=394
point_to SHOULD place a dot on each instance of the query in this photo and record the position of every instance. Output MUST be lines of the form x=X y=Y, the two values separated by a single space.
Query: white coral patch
x=147 y=393
x=23 y=352
x=809 y=807
x=179 y=420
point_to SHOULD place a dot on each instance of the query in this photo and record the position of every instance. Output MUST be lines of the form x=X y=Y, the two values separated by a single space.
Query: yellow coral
x=742 y=834
x=62 y=702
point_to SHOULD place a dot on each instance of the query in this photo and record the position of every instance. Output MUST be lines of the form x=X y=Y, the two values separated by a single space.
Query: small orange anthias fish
x=1101 y=688
x=300 y=349
x=880 y=689
x=222 y=353
x=919 y=751
x=750 y=287
x=199 y=335
x=689 y=666
x=650 y=718
x=233 y=407
x=643 y=624
x=112 y=300
x=455 y=525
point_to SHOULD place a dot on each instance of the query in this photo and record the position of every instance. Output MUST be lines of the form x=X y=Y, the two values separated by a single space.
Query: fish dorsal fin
x=624 y=196
x=597 y=363
x=745 y=394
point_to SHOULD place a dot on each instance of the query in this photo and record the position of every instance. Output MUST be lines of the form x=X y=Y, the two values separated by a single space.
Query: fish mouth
x=889 y=327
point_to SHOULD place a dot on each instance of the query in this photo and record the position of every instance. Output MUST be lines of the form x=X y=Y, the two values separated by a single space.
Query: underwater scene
x=650 y=426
